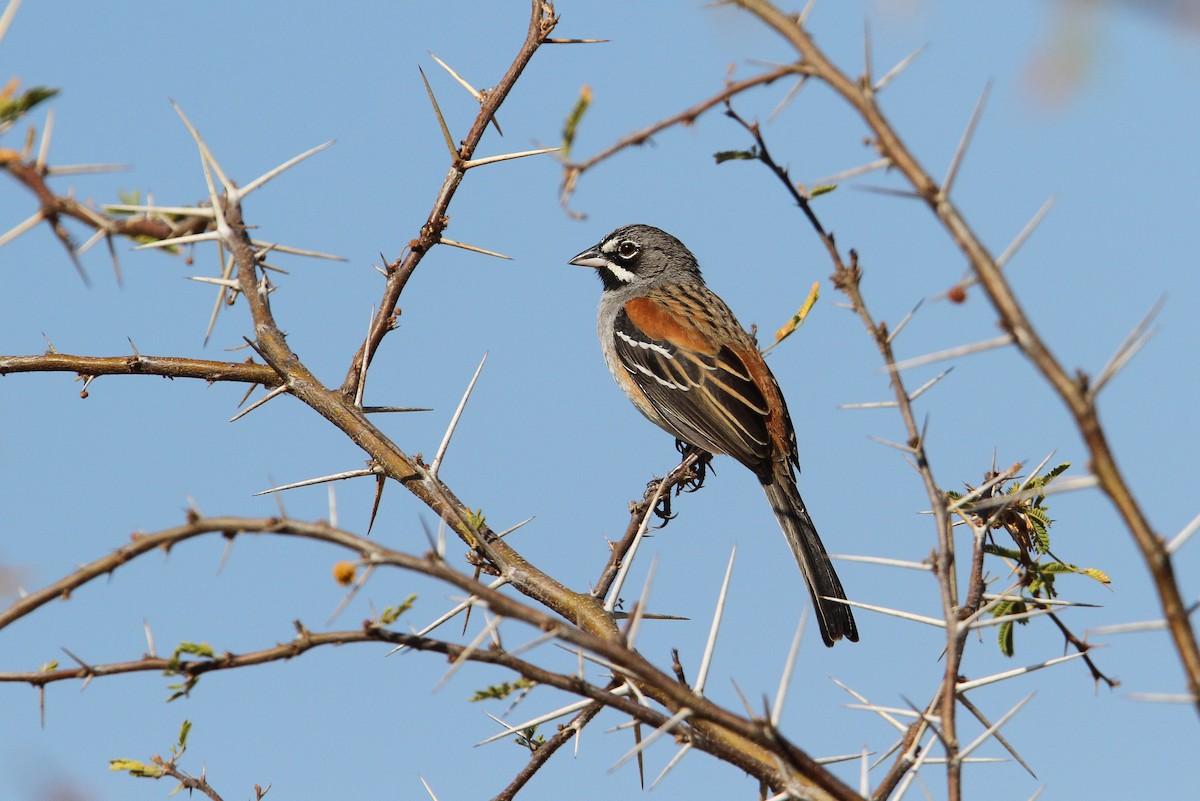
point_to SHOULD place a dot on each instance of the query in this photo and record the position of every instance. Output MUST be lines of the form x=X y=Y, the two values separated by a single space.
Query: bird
x=685 y=362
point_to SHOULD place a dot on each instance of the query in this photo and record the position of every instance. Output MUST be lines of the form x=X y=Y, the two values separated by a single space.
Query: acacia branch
x=1072 y=390
x=847 y=278
x=574 y=170
x=541 y=24
x=745 y=743
x=52 y=208
x=137 y=364
x=749 y=744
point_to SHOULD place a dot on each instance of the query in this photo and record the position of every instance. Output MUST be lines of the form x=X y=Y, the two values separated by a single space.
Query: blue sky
x=546 y=433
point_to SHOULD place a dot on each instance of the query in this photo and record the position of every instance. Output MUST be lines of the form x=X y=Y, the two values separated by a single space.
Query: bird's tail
x=835 y=619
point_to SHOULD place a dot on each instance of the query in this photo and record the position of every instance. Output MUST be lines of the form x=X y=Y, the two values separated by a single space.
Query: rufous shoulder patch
x=660 y=322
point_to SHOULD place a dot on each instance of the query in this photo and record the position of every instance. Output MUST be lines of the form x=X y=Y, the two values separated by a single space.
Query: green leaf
x=182 y=690
x=1004 y=638
x=13 y=108
x=723 y=156
x=135 y=768
x=499 y=692
x=574 y=118
x=1091 y=572
x=996 y=550
x=821 y=190
x=184 y=731
x=391 y=614
x=1040 y=521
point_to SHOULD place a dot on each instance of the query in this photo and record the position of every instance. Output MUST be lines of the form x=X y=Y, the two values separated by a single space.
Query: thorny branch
x=750 y=744
x=574 y=170
x=541 y=24
x=847 y=278
x=742 y=742
x=246 y=372
x=1071 y=389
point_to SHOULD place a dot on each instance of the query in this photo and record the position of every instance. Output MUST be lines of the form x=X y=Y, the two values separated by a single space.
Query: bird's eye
x=627 y=249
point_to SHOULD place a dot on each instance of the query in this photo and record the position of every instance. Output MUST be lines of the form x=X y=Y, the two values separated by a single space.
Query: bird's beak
x=592 y=257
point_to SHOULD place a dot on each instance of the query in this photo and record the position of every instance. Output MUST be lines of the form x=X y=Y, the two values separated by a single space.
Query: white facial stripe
x=618 y=272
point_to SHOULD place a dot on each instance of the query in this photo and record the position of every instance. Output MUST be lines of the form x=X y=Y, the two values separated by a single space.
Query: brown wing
x=710 y=396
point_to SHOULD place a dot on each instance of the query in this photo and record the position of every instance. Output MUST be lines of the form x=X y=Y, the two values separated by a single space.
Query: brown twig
x=138 y=364
x=1071 y=389
x=574 y=170
x=186 y=780
x=746 y=743
x=847 y=278
x=680 y=476
x=541 y=24
x=546 y=750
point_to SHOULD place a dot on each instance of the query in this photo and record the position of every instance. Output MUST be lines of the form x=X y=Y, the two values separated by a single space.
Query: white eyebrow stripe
x=646 y=345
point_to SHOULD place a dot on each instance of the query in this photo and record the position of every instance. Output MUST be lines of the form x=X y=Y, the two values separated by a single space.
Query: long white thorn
x=226 y=274
x=312 y=254
x=965 y=142
x=549 y=716
x=207 y=160
x=919 y=391
x=929 y=621
x=86 y=169
x=1020 y=238
x=964 y=686
x=6 y=18
x=1178 y=541
x=995 y=727
x=614 y=591
x=895 y=71
x=444 y=241
x=428 y=789
x=1163 y=698
x=853 y=172
x=881 y=560
x=895 y=332
x=279 y=390
x=204 y=212
x=228 y=283
x=953 y=353
x=671 y=723
x=456 y=610
x=466 y=165
x=207 y=236
x=870 y=405
x=789 y=666
x=471 y=648
x=639 y=611
x=437 y=110
x=99 y=234
x=462 y=404
x=471 y=89
x=1059 y=486
x=1133 y=343
x=287 y=165
x=308 y=482
x=21 y=228
x=714 y=629
x=674 y=761
x=44 y=146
